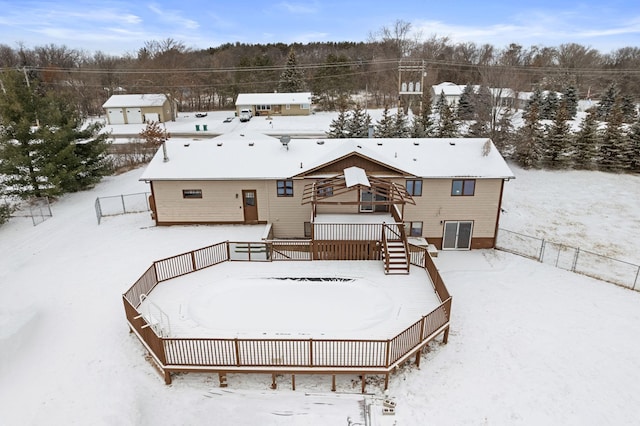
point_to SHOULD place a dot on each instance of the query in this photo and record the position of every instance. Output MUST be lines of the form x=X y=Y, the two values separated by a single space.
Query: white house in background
x=138 y=109
x=451 y=92
x=275 y=103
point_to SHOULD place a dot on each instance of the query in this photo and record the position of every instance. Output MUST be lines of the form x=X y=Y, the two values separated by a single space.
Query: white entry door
x=457 y=235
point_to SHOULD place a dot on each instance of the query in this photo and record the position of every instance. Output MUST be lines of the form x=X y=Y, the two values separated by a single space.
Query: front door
x=250 y=205
x=457 y=235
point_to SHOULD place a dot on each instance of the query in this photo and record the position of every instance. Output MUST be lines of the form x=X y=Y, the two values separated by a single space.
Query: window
x=463 y=187
x=414 y=229
x=305 y=106
x=263 y=107
x=414 y=187
x=287 y=106
x=192 y=193
x=285 y=188
x=326 y=191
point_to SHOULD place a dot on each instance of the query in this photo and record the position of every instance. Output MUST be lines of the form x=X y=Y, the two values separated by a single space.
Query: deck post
x=445 y=338
x=274 y=385
x=293 y=382
x=193 y=261
x=333 y=383
x=364 y=382
x=418 y=353
x=386 y=381
x=167 y=377
x=222 y=378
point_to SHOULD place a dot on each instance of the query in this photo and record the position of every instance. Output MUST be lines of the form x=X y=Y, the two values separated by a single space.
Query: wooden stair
x=395 y=257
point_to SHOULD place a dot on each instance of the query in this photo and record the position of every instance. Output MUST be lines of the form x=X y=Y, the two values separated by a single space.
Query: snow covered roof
x=140 y=100
x=235 y=156
x=273 y=98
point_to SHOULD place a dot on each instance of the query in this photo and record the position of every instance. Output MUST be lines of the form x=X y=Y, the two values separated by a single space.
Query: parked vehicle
x=245 y=115
x=201 y=114
x=228 y=120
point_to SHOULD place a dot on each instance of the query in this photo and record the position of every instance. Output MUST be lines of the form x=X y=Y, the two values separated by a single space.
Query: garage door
x=116 y=116
x=134 y=116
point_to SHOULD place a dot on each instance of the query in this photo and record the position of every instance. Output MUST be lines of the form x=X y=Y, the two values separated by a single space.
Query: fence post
x=310 y=352
x=541 y=256
x=124 y=208
x=636 y=280
x=575 y=260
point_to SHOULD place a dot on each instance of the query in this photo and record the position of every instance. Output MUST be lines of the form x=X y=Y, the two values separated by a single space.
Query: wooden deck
x=329 y=356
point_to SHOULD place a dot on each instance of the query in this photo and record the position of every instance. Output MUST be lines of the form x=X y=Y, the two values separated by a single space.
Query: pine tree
x=536 y=100
x=447 y=126
x=44 y=150
x=605 y=105
x=615 y=145
x=557 y=141
x=570 y=96
x=503 y=133
x=441 y=102
x=481 y=127
x=586 y=142
x=634 y=147
x=292 y=78
x=384 y=128
x=358 y=123
x=466 y=103
x=422 y=124
x=549 y=106
x=339 y=127
x=400 y=129
x=527 y=149
x=629 y=112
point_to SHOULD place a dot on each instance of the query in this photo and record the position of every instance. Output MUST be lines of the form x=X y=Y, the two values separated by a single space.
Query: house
x=275 y=103
x=448 y=191
x=138 y=109
x=450 y=91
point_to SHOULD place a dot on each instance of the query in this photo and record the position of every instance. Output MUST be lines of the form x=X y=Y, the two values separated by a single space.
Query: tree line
x=208 y=79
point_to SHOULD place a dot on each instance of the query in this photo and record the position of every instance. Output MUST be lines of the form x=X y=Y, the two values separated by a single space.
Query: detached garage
x=138 y=109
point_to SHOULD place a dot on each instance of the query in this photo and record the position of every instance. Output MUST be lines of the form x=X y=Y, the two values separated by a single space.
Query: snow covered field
x=529 y=344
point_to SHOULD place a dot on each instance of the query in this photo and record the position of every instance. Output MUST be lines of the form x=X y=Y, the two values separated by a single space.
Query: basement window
x=192 y=193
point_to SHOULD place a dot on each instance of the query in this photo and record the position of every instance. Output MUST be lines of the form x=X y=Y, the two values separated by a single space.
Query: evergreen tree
x=358 y=123
x=441 y=102
x=570 y=96
x=447 y=126
x=466 y=103
x=586 y=142
x=634 y=147
x=481 y=127
x=605 y=105
x=528 y=146
x=422 y=124
x=292 y=78
x=400 y=129
x=385 y=127
x=549 y=106
x=615 y=145
x=44 y=150
x=557 y=141
x=339 y=127
x=503 y=133
x=629 y=113
x=536 y=100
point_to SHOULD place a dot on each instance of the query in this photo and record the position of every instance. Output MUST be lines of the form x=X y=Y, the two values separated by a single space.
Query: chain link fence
x=122 y=204
x=37 y=208
x=570 y=258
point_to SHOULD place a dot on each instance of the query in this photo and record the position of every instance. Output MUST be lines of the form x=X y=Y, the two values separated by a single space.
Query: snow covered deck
x=319 y=300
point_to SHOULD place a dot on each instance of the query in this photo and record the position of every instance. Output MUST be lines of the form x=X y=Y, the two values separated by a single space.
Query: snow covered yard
x=529 y=344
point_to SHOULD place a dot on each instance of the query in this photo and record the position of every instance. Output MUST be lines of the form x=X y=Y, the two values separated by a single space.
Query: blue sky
x=117 y=27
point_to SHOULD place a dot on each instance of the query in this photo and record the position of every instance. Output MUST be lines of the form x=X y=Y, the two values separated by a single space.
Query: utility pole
x=411 y=76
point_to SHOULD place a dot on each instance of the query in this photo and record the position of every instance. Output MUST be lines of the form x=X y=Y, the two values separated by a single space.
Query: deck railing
x=328 y=356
